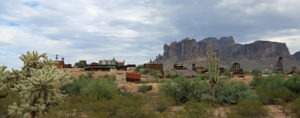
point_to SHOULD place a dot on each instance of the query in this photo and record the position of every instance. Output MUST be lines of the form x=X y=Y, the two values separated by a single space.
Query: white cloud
x=289 y=8
x=89 y=29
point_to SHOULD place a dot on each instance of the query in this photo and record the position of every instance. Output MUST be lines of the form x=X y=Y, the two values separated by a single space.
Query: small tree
x=80 y=64
x=256 y=72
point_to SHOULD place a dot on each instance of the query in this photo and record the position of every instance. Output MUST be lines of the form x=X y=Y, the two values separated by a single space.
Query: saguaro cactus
x=213 y=68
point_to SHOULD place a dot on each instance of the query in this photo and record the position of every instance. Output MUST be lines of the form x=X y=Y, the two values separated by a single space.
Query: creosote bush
x=194 y=109
x=293 y=83
x=248 y=109
x=76 y=86
x=183 y=90
x=295 y=108
x=121 y=106
x=232 y=92
x=272 y=89
x=100 y=89
x=145 y=88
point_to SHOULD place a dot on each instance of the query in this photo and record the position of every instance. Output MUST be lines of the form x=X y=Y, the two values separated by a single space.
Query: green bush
x=179 y=89
x=182 y=90
x=232 y=92
x=248 y=109
x=128 y=106
x=201 y=91
x=109 y=78
x=293 y=83
x=139 y=68
x=272 y=89
x=295 y=108
x=194 y=109
x=99 y=88
x=256 y=72
x=150 y=71
x=274 y=96
x=226 y=75
x=76 y=86
x=145 y=88
x=163 y=103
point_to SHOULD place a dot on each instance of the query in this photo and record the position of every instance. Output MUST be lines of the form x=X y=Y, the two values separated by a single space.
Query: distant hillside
x=259 y=54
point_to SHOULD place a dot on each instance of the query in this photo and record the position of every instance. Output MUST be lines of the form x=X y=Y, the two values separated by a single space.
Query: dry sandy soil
x=76 y=72
x=132 y=87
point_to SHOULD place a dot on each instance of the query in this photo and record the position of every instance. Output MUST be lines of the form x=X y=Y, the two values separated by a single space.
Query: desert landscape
x=149 y=59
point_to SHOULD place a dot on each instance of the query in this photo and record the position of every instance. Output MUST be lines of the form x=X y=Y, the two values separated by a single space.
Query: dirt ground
x=247 y=79
x=133 y=87
x=76 y=72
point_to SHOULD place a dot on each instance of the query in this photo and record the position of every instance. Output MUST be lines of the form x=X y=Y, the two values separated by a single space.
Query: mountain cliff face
x=297 y=56
x=259 y=54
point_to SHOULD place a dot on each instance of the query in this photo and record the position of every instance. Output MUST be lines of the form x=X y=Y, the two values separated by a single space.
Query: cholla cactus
x=40 y=91
x=4 y=78
x=33 y=61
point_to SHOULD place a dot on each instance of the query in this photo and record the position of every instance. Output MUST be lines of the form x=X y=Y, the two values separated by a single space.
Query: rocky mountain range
x=256 y=55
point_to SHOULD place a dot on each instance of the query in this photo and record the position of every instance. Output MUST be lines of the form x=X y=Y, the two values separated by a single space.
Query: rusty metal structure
x=278 y=66
x=154 y=66
x=61 y=64
x=236 y=69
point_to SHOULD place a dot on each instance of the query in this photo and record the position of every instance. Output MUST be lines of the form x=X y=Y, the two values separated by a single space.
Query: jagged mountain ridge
x=259 y=54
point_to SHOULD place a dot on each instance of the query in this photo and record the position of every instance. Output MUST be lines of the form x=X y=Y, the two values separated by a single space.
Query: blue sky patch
x=32 y=4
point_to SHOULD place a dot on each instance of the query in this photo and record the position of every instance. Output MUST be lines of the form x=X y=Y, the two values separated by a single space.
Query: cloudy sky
x=135 y=30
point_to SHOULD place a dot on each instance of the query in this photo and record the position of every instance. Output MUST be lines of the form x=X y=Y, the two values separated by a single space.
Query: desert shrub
x=182 y=90
x=293 y=83
x=162 y=103
x=90 y=74
x=274 y=96
x=194 y=109
x=154 y=80
x=139 y=68
x=179 y=89
x=76 y=86
x=257 y=81
x=248 y=109
x=294 y=108
x=145 y=88
x=201 y=91
x=110 y=78
x=226 y=75
x=100 y=88
x=232 y=92
x=79 y=64
x=256 y=72
x=127 y=106
x=272 y=89
x=150 y=71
